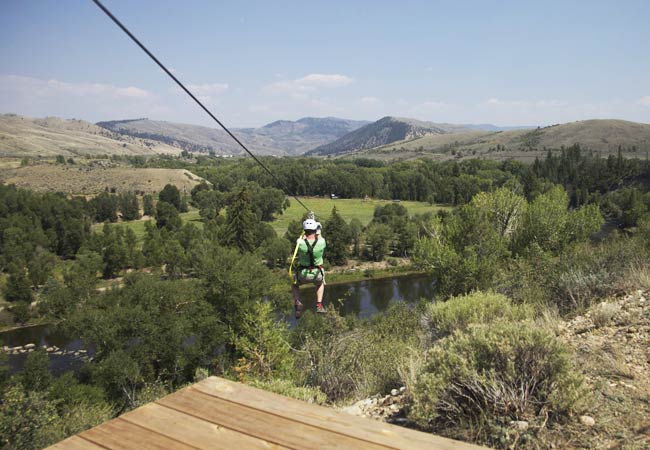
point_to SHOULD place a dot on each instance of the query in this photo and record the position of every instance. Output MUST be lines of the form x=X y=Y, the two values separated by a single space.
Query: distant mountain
x=22 y=136
x=385 y=131
x=282 y=137
x=602 y=136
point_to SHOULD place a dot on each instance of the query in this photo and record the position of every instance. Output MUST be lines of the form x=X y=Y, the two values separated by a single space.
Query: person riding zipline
x=309 y=248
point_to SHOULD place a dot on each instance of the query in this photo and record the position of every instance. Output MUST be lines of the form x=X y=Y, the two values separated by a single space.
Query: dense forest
x=522 y=241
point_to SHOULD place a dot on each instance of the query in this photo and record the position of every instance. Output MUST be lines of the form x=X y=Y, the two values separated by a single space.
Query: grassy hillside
x=602 y=136
x=92 y=179
x=29 y=137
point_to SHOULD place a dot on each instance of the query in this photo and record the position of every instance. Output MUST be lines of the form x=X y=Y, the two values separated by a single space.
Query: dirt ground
x=612 y=347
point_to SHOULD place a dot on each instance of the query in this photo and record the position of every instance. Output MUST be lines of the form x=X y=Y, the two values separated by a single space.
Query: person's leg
x=297 y=304
x=319 y=293
x=296 y=293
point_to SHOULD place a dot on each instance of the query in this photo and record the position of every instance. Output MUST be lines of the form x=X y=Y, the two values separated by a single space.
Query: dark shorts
x=315 y=276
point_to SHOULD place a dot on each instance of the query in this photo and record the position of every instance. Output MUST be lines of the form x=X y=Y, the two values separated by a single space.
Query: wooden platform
x=221 y=414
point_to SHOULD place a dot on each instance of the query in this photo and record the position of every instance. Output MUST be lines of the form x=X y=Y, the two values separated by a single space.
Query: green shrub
x=262 y=343
x=351 y=362
x=457 y=313
x=473 y=384
x=289 y=389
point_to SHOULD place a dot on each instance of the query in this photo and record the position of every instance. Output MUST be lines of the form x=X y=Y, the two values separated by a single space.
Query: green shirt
x=303 y=252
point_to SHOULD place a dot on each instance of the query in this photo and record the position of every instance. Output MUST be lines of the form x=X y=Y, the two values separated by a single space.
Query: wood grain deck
x=221 y=414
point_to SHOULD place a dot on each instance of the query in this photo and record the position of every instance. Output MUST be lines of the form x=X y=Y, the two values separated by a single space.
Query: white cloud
x=299 y=87
x=324 y=80
x=41 y=88
x=525 y=103
x=434 y=105
x=91 y=101
x=645 y=101
x=208 y=89
x=370 y=101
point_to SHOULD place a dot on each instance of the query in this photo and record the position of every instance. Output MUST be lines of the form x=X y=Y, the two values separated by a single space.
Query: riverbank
x=31 y=324
x=356 y=270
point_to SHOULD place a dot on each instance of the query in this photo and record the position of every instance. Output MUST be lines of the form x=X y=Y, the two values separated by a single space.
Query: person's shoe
x=320 y=308
x=298 y=307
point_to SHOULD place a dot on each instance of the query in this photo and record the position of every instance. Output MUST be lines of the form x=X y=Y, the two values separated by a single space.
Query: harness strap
x=310 y=249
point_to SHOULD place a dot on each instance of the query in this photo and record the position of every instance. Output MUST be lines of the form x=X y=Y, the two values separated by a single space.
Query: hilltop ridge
x=385 y=131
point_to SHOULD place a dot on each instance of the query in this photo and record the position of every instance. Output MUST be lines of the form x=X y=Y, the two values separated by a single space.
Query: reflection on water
x=48 y=336
x=366 y=298
x=361 y=298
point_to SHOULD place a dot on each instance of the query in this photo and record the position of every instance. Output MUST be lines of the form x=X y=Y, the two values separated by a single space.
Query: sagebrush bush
x=578 y=277
x=476 y=381
x=603 y=313
x=350 y=362
x=457 y=313
x=288 y=388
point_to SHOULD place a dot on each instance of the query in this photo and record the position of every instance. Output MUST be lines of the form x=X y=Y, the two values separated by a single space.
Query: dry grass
x=603 y=314
x=89 y=180
x=46 y=138
x=602 y=136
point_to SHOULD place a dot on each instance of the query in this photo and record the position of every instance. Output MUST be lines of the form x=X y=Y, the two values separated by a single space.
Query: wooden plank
x=119 y=434
x=192 y=430
x=75 y=443
x=259 y=423
x=297 y=411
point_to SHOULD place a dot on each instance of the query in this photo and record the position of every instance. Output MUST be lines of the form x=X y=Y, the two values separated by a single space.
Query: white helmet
x=310 y=224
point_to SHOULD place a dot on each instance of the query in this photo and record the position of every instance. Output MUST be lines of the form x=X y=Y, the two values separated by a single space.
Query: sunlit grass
x=348 y=208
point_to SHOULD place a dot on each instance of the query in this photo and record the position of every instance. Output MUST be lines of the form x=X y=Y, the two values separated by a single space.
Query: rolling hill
x=29 y=137
x=601 y=136
x=385 y=131
x=283 y=137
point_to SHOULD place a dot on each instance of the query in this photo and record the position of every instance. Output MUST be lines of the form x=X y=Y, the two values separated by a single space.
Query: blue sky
x=501 y=62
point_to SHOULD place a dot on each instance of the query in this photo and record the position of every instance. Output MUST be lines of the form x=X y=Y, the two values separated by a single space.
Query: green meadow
x=349 y=208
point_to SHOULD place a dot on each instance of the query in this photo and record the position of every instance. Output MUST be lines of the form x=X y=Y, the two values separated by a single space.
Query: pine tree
x=171 y=195
x=241 y=223
x=339 y=238
x=147 y=205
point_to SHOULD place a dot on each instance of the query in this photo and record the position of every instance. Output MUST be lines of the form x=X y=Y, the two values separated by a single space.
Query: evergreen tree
x=241 y=223
x=171 y=195
x=105 y=207
x=356 y=228
x=147 y=205
x=167 y=216
x=129 y=207
x=339 y=238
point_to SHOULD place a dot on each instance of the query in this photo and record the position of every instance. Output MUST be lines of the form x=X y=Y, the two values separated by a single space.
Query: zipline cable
x=187 y=91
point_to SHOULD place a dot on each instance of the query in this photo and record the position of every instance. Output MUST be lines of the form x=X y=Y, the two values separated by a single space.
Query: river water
x=362 y=298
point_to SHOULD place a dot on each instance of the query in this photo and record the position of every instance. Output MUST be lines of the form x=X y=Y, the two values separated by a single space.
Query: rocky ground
x=612 y=347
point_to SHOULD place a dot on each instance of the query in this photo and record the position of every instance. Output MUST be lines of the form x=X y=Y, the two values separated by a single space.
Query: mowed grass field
x=348 y=208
